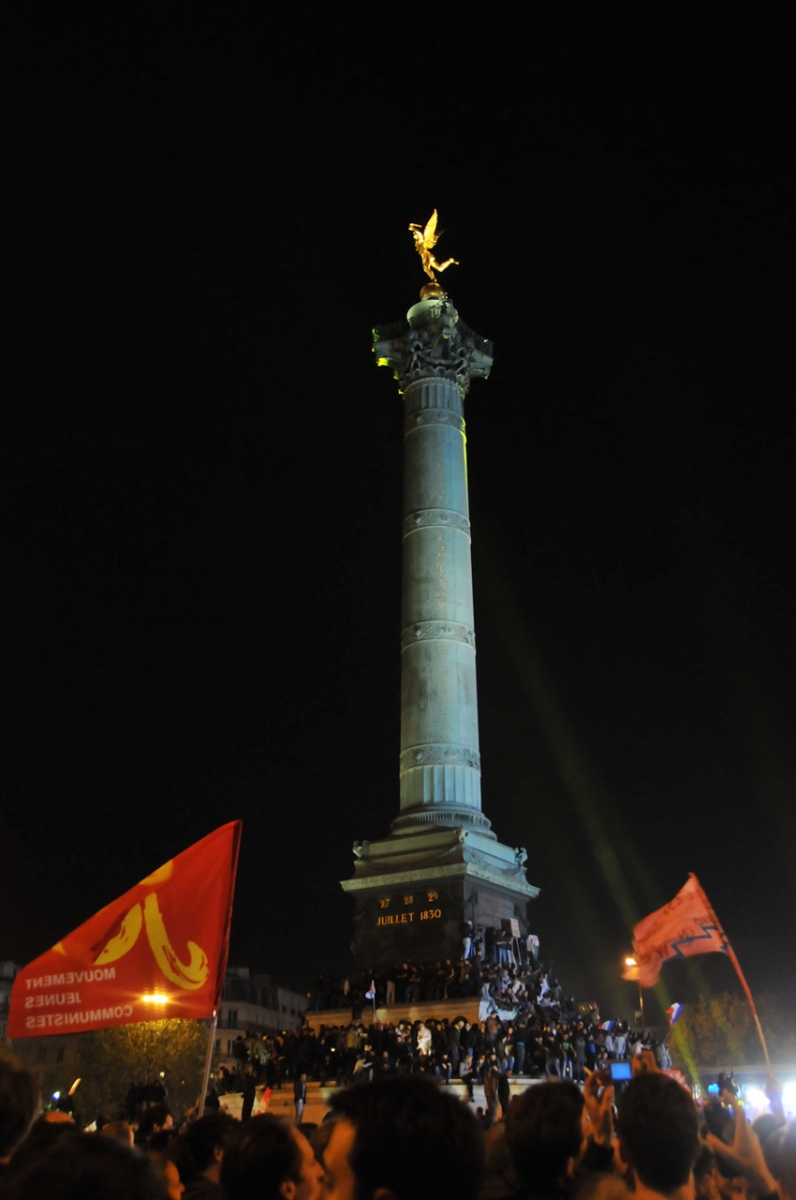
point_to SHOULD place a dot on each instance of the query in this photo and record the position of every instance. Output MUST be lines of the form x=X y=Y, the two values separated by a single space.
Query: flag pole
x=734 y=960
x=208 y=1062
x=733 y=957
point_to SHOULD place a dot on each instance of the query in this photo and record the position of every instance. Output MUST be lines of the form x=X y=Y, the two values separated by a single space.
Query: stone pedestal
x=441 y=863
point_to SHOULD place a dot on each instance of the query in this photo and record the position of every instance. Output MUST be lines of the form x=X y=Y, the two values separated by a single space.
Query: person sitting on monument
x=402 y=1139
x=486 y=1002
x=423 y=1039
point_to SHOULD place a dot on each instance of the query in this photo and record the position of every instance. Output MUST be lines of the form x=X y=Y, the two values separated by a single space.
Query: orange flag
x=686 y=925
x=158 y=951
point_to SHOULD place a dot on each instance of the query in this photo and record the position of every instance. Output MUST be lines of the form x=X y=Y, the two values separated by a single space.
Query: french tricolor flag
x=674 y=1013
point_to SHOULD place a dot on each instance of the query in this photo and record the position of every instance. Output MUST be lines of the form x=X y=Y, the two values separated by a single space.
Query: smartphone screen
x=620 y=1069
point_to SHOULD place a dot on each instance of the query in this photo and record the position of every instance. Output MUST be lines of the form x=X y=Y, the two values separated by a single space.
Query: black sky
x=203 y=465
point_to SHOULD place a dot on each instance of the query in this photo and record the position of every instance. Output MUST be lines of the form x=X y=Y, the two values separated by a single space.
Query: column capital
x=433 y=343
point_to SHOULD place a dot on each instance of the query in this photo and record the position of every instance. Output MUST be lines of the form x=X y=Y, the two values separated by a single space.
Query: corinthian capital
x=433 y=343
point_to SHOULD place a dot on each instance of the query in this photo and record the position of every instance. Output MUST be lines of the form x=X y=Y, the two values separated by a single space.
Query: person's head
x=168 y=1172
x=658 y=1131
x=270 y=1159
x=199 y=1150
x=19 y=1103
x=764 y=1125
x=544 y=1134
x=402 y=1139
x=121 y=1130
x=156 y=1118
x=83 y=1164
x=597 y=1186
x=780 y=1151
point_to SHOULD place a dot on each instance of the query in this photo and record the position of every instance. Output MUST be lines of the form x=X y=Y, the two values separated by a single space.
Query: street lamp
x=633 y=974
x=155 y=998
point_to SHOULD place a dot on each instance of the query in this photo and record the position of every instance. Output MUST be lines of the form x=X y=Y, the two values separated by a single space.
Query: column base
x=417 y=916
x=414 y=890
x=427 y=816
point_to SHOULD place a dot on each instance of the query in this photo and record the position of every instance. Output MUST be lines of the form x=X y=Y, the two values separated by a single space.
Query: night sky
x=202 y=464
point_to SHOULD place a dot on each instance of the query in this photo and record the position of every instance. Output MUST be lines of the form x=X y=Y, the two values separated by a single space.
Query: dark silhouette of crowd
x=409 y=1138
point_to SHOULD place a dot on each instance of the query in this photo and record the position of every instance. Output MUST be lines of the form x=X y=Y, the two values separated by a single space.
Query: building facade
x=253 y=1003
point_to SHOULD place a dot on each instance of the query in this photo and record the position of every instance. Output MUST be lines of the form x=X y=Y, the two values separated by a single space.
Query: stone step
x=421 y=1010
x=319 y=1099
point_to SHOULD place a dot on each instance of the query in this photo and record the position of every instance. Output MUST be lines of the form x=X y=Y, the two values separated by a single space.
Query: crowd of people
x=408 y=1138
x=396 y=1130
x=490 y=959
x=532 y=1031
x=539 y=1044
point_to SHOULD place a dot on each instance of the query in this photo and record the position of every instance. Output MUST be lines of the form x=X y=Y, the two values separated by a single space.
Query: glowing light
x=789 y=1098
x=630 y=962
x=756 y=1099
x=56 y=1096
x=155 y=998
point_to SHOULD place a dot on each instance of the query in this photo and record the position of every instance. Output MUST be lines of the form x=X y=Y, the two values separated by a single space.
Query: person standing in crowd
x=300 y=1095
x=404 y=1139
x=270 y=1160
x=544 y=1136
x=658 y=1136
x=504 y=1091
x=19 y=1103
x=491 y=1094
x=199 y=1152
x=248 y=1092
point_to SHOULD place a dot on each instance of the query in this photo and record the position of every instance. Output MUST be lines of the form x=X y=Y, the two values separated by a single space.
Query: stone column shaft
x=439 y=763
x=434 y=358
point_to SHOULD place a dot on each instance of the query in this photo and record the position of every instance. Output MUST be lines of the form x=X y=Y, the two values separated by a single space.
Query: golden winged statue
x=425 y=241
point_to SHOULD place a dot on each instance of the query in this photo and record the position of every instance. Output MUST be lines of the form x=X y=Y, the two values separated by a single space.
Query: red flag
x=686 y=925
x=158 y=951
